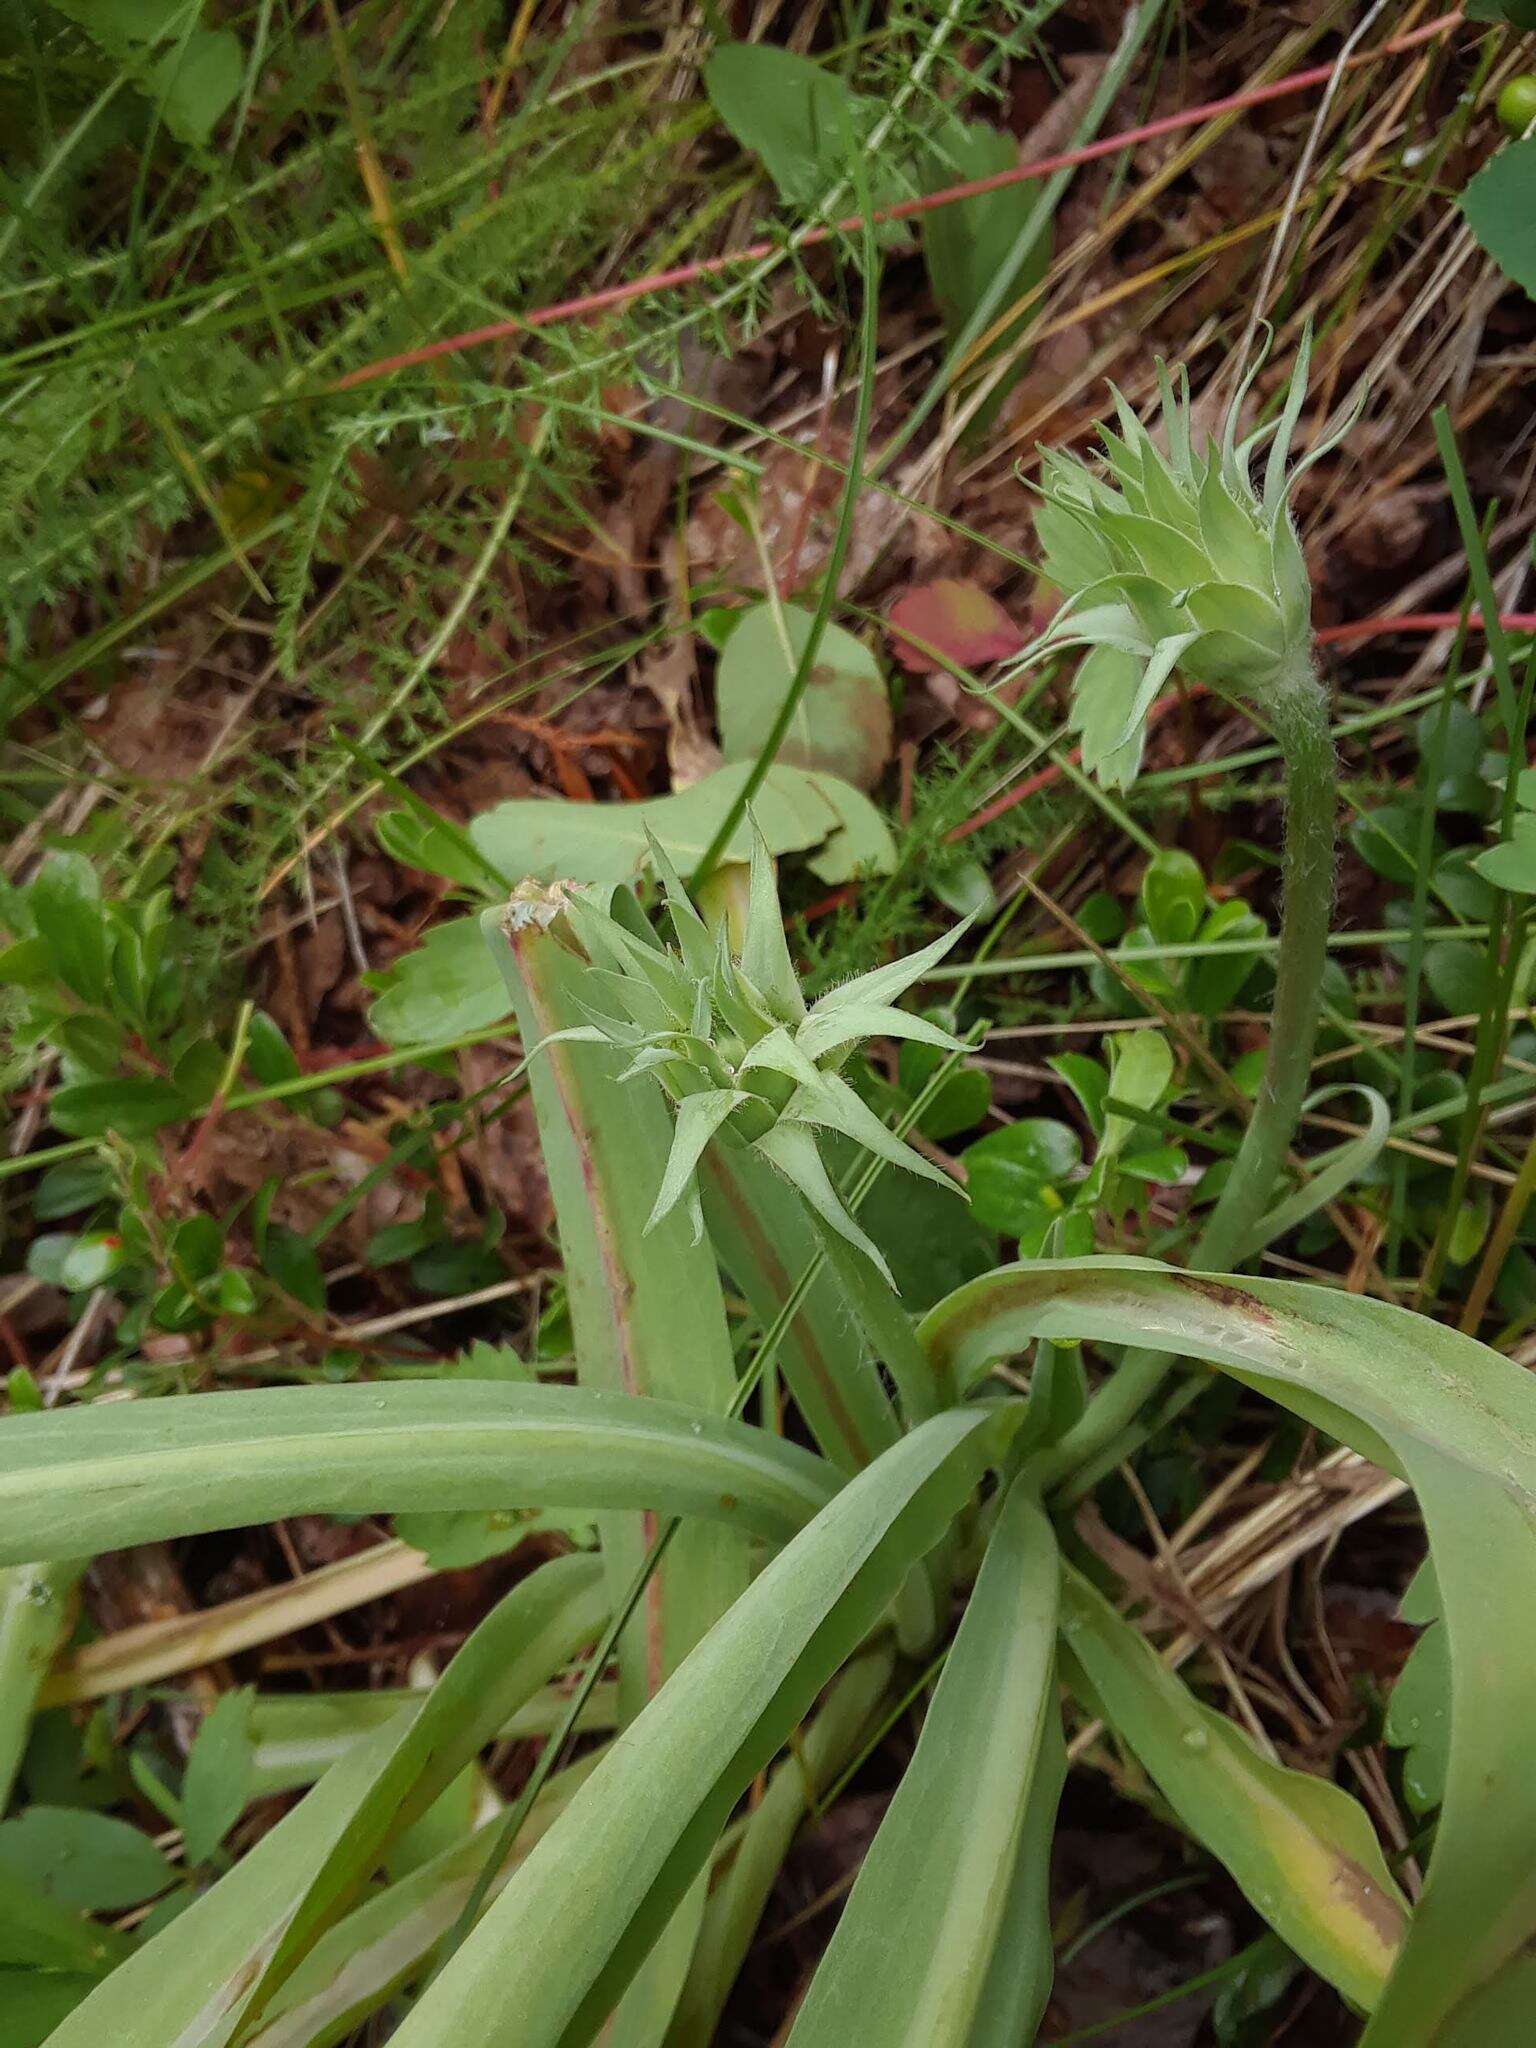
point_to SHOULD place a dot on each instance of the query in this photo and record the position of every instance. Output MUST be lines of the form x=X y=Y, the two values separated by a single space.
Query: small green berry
x=1516 y=105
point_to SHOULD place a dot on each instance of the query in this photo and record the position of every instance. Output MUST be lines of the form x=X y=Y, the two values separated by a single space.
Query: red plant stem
x=1421 y=622
x=906 y=209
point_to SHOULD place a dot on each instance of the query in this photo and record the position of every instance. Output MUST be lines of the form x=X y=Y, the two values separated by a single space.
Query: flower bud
x=1175 y=561
x=731 y=1039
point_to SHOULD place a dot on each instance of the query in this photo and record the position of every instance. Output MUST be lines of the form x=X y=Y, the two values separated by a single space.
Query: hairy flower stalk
x=732 y=1040
x=1176 y=562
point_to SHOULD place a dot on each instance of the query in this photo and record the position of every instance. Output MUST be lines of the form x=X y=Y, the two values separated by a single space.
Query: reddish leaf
x=957 y=619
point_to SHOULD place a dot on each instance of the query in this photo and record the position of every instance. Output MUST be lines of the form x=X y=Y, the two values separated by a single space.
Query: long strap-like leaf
x=1299 y=1846
x=197 y=1981
x=647 y=1315
x=1459 y=1421
x=86 y=1479
x=551 y=1956
x=908 y=1962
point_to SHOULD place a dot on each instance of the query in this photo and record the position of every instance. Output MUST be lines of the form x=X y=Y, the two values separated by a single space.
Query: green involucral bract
x=730 y=1036
x=1175 y=561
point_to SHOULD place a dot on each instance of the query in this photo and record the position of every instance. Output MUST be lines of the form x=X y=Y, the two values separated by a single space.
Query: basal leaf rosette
x=1176 y=560
x=730 y=1037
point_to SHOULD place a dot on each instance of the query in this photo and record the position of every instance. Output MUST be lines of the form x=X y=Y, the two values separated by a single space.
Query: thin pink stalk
x=907 y=209
x=1421 y=622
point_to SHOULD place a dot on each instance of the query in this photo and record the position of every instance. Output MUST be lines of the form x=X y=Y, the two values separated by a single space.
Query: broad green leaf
x=37 y=1932
x=1089 y=1082
x=1243 y=2012
x=99 y=1478
x=420 y=838
x=842 y=723
x=1302 y=1849
x=795 y=811
x=799 y=117
x=35 y=2001
x=1173 y=896
x=195 y=82
x=294 y=1264
x=451 y=1542
x=1459 y=1421
x=1213 y=984
x=908 y=1959
x=1140 y=1069
x=1458 y=977
x=1387 y=838
x=1517 y=13
x=1500 y=206
x=134 y=21
x=195 y=72
x=959 y=1103
x=1512 y=863
x=209 y=1971
x=1009 y=1170
x=931 y=1243
x=445 y=988
x=647 y=1313
x=86 y=1860
x=36 y=1615
x=66 y=907
x=966 y=245
x=1418 y=1713
x=217 y=1784
x=552 y=1955
x=131 y=1107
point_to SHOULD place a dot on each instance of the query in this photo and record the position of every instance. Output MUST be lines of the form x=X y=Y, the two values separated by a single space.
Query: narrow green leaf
x=1302 y=1849
x=1013 y=1995
x=1459 y=1420
x=553 y=1953
x=767 y=1244
x=647 y=1313
x=698 y=1118
x=737 y=1902
x=136 y=1472
x=217 y=1783
x=387 y=1942
x=908 y=1960
x=209 y=1971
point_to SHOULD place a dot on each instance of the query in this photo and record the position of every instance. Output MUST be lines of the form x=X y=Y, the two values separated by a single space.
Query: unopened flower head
x=1176 y=561
x=732 y=1040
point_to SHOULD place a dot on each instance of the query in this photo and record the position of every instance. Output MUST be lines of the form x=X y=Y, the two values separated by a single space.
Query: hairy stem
x=1299 y=717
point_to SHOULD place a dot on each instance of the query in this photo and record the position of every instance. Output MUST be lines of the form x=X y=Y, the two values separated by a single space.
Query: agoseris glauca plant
x=730 y=1037
x=1176 y=560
